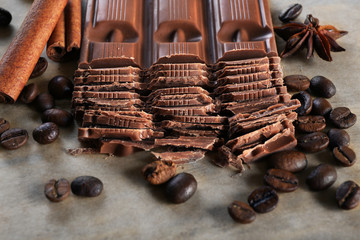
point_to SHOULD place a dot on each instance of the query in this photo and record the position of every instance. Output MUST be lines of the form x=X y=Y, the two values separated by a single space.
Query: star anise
x=311 y=35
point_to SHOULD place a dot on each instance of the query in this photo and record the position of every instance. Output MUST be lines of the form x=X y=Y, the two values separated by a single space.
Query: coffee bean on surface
x=58 y=116
x=322 y=87
x=281 y=180
x=306 y=103
x=292 y=160
x=263 y=199
x=87 y=186
x=13 y=138
x=313 y=142
x=321 y=106
x=60 y=87
x=342 y=117
x=181 y=188
x=322 y=177
x=44 y=101
x=292 y=12
x=297 y=83
x=348 y=195
x=29 y=93
x=344 y=155
x=57 y=190
x=5 y=17
x=310 y=123
x=338 y=137
x=4 y=125
x=40 y=67
x=241 y=212
x=46 y=133
x=159 y=172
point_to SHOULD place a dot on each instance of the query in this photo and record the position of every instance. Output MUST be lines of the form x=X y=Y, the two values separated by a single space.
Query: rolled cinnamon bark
x=67 y=33
x=24 y=51
x=56 y=48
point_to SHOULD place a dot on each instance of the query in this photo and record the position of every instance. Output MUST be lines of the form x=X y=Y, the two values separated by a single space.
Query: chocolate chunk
x=206 y=143
x=180 y=157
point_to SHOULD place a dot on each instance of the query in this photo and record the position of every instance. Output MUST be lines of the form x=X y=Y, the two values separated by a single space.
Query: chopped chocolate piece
x=179 y=73
x=243 y=78
x=201 y=119
x=184 y=111
x=195 y=133
x=119 y=147
x=244 y=62
x=108 y=71
x=165 y=82
x=262 y=84
x=107 y=102
x=226 y=157
x=126 y=133
x=106 y=95
x=178 y=67
x=78 y=151
x=180 y=157
x=176 y=91
x=138 y=114
x=110 y=87
x=247 y=95
x=101 y=79
x=234 y=70
x=206 y=143
x=182 y=100
x=167 y=124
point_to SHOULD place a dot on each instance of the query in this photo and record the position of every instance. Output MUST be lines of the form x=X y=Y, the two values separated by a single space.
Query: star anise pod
x=311 y=35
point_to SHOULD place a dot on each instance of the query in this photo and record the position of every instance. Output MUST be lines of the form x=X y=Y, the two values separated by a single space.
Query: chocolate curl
x=56 y=44
x=67 y=33
x=24 y=51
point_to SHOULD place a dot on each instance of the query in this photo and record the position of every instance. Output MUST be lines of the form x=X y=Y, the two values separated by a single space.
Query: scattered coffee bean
x=159 y=172
x=58 y=116
x=321 y=106
x=342 y=117
x=60 y=87
x=344 y=155
x=5 y=17
x=297 y=83
x=29 y=93
x=4 y=125
x=14 y=138
x=57 y=191
x=87 y=186
x=338 y=137
x=292 y=12
x=310 y=123
x=241 y=212
x=181 y=187
x=281 y=180
x=306 y=103
x=322 y=177
x=348 y=195
x=44 y=101
x=40 y=67
x=263 y=199
x=322 y=87
x=313 y=142
x=46 y=133
x=292 y=160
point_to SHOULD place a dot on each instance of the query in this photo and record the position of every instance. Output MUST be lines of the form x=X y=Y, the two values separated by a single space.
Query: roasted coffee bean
x=57 y=191
x=297 y=82
x=310 y=123
x=46 y=133
x=338 y=137
x=29 y=93
x=321 y=106
x=159 y=172
x=4 y=125
x=181 y=187
x=306 y=103
x=348 y=195
x=13 y=138
x=322 y=87
x=87 y=186
x=322 y=177
x=344 y=155
x=60 y=87
x=342 y=117
x=241 y=212
x=44 y=101
x=313 y=142
x=263 y=199
x=5 y=17
x=292 y=12
x=58 y=116
x=281 y=180
x=40 y=67
x=292 y=160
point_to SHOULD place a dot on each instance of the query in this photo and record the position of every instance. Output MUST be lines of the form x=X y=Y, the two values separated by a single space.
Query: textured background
x=129 y=208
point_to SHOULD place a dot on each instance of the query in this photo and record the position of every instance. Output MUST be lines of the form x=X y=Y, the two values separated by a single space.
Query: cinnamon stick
x=67 y=33
x=24 y=51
